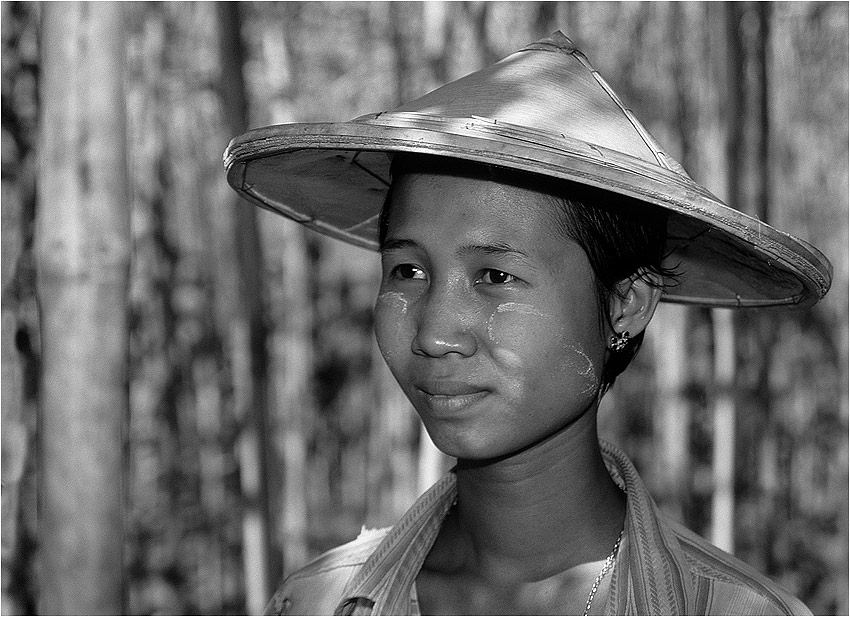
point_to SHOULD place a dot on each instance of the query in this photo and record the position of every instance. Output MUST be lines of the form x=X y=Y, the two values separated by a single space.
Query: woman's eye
x=409 y=271
x=496 y=277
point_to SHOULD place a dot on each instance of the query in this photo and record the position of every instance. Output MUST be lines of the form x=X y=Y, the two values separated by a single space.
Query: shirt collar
x=647 y=578
x=383 y=584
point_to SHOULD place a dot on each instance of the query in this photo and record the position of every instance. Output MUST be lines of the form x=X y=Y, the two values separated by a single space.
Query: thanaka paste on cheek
x=584 y=368
x=394 y=298
x=509 y=329
x=578 y=362
x=510 y=307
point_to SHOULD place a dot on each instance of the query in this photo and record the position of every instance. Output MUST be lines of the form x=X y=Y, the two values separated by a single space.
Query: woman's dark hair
x=622 y=237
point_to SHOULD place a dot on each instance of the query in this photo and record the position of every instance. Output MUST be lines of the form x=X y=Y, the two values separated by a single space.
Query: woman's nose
x=445 y=325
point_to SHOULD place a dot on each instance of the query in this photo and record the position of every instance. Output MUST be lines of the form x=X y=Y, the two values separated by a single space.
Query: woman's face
x=487 y=315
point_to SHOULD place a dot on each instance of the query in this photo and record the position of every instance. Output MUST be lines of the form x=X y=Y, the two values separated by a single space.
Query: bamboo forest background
x=203 y=409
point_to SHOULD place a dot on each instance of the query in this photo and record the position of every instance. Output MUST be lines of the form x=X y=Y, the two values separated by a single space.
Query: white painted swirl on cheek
x=574 y=358
x=512 y=307
x=584 y=368
x=395 y=298
x=502 y=331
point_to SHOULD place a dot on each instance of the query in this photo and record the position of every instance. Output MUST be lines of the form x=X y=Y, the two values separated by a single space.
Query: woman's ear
x=633 y=306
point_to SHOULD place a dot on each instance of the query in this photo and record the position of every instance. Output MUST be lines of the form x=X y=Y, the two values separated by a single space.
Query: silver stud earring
x=619 y=341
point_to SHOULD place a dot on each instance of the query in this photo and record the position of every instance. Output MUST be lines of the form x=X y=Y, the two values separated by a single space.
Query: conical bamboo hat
x=545 y=110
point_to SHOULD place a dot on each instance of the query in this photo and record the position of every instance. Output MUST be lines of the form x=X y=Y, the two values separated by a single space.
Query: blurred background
x=192 y=401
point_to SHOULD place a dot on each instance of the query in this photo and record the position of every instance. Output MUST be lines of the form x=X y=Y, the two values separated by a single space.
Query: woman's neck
x=538 y=512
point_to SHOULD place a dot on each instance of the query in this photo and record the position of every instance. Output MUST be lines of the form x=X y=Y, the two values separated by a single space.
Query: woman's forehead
x=418 y=193
x=457 y=210
x=444 y=176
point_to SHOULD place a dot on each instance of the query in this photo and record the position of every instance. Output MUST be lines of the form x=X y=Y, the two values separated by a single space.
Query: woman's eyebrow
x=496 y=248
x=395 y=244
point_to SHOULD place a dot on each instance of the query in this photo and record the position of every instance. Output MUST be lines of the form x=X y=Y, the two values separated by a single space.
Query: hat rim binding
x=491 y=142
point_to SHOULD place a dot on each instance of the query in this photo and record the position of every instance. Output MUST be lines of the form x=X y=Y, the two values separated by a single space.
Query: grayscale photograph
x=425 y=308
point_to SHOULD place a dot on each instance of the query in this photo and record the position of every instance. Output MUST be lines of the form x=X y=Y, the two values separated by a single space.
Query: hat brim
x=333 y=178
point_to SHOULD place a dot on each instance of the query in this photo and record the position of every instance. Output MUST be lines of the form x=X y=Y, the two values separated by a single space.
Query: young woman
x=528 y=226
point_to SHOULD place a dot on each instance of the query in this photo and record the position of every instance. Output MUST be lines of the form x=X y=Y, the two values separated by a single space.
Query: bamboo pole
x=82 y=250
x=723 y=449
x=291 y=354
x=672 y=408
x=292 y=359
x=247 y=335
x=723 y=499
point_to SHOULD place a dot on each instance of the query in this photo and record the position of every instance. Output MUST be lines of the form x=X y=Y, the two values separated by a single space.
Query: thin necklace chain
x=609 y=561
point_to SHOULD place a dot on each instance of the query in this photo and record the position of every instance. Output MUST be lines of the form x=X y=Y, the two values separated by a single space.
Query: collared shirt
x=661 y=568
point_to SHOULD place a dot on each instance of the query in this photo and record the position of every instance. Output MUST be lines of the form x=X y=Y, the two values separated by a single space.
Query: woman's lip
x=449 y=389
x=442 y=402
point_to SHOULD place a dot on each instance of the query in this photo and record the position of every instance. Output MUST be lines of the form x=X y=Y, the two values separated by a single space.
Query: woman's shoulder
x=729 y=584
x=317 y=588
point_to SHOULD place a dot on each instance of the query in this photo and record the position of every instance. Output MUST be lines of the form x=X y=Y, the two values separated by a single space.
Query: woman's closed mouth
x=451 y=396
x=449 y=388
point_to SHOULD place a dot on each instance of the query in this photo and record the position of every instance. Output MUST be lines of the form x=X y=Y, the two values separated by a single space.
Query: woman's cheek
x=391 y=324
x=516 y=332
x=512 y=321
x=521 y=335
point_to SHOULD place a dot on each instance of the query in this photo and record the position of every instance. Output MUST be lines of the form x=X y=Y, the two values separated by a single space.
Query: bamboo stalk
x=83 y=251
x=247 y=334
x=723 y=499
